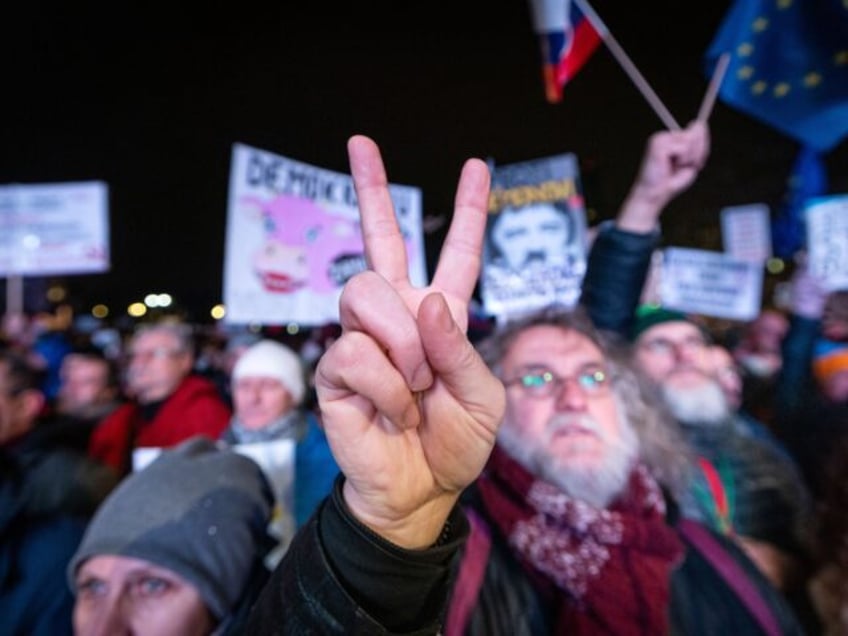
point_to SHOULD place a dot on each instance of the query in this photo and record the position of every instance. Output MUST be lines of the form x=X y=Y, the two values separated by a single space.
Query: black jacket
x=35 y=548
x=340 y=578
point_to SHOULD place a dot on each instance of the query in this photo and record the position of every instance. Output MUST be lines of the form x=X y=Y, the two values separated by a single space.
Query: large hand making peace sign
x=410 y=409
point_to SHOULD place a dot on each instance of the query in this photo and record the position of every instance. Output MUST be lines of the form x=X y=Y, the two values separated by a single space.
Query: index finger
x=459 y=261
x=385 y=250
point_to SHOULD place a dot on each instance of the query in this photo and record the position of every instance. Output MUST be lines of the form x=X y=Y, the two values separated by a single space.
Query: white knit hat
x=270 y=359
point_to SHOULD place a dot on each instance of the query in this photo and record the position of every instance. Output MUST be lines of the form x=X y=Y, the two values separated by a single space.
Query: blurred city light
x=775 y=265
x=137 y=310
x=56 y=293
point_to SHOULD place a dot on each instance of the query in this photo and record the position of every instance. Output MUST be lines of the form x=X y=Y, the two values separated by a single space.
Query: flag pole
x=632 y=72
x=712 y=89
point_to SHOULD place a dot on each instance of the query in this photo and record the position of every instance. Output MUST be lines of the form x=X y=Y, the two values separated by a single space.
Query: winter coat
x=194 y=408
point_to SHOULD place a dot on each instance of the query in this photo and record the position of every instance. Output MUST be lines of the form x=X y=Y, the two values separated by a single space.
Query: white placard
x=711 y=284
x=277 y=460
x=294 y=239
x=54 y=228
x=827 y=239
x=746 y=232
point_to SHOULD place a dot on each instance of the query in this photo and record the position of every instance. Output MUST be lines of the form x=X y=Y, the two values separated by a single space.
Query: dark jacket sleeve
x=615 y=274
x=795 y=385
x=338 y=577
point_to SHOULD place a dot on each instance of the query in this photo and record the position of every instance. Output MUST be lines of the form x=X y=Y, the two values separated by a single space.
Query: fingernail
x=446 y=321
x=422 y=378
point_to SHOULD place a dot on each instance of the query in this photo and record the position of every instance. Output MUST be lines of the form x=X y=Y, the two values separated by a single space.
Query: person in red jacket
x=168 y=402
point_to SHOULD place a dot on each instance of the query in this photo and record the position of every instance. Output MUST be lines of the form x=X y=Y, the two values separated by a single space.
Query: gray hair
x=182 y=333
x=662 y=447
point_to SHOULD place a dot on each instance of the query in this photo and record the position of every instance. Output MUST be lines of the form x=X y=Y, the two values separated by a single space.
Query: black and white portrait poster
x=535 y=249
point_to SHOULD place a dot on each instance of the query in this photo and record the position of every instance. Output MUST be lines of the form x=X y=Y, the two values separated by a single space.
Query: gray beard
x=705 y=404
x=597 y=486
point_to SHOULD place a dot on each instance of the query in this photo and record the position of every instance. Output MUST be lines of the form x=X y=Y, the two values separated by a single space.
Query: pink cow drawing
x=305 y=246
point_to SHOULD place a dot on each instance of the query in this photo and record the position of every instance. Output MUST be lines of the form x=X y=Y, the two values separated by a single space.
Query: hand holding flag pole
x=628 y=66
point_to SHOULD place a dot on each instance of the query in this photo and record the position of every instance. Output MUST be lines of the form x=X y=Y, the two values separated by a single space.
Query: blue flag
x=807 y=179
x=788 y=66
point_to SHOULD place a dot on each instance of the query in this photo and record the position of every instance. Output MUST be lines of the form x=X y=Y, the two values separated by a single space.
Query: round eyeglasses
x=541 y=382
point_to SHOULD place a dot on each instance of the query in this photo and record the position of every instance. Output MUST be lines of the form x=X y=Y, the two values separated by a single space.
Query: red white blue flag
x=567 y=39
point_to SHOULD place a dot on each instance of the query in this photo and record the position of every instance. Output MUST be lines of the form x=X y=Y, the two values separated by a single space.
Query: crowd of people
x=604 y=468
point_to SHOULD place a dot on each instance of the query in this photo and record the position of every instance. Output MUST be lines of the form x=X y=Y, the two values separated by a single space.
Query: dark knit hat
x=648 y=316
x=197 y=510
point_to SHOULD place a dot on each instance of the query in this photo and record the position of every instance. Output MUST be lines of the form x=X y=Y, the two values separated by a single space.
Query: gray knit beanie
x=197 y=510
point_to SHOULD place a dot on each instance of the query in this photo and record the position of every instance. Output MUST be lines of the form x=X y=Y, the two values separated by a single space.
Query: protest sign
x=711 y=284
x=827 y=239
x=294 y=239
x=535 y=249
x=277 y=460
x=746 y=232
x=54 y=228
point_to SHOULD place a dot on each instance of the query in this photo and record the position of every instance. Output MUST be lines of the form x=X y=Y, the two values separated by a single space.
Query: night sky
x=151 y=100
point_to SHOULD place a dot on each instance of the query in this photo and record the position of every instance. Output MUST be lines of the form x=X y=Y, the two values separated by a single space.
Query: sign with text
x=746 y=232
x=54 y=228
x=293 y=239
x=711 y=284
x=827 y=239
x=535 y=248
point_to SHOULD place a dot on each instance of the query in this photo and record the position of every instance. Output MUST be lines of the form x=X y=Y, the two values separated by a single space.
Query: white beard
x=705 y=404
x=596 y=485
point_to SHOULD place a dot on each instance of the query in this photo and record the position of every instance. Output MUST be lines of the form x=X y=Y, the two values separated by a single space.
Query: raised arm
x=410 y=409
x=621 y=254
x=671 y=163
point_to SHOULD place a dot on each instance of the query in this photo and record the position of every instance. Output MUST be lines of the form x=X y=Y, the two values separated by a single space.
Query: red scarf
x=609 y=568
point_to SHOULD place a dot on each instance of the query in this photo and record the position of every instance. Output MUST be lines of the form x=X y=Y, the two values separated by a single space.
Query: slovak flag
x=567 y=39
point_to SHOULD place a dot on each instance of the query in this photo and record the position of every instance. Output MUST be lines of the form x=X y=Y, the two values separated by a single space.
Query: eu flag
x=567 y=39
x=807 y=179
x=788 y=67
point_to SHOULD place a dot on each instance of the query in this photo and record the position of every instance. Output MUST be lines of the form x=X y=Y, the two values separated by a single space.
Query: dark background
x=150 y=99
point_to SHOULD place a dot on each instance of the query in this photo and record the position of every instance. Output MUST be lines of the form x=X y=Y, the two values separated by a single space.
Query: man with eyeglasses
x=743 y=486
x=567 y=529
x=574 y=526
x=169 y=403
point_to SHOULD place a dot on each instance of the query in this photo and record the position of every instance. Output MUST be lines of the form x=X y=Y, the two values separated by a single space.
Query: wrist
x=639 y=214
x=419 y=529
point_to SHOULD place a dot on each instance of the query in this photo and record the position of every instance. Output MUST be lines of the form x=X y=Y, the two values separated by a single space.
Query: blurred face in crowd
x=727 y=374
x=835 y=387
x=18 y=408
x=562 y=421
x=123 y=595
x=676 y=356
x=85 y=384
x=258 y=401
x=157 y=365
x=834 y=324
x=767 y=332
x=532 y=234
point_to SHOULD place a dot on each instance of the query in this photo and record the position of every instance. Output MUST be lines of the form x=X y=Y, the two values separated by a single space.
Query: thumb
x=457 y=363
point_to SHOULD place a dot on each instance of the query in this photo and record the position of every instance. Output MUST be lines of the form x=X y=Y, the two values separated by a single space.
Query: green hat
x=649 y=315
